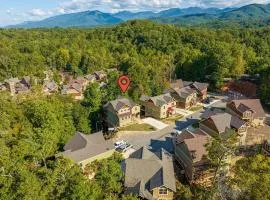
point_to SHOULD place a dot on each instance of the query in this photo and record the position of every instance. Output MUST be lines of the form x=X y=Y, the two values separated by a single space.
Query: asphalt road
x=162 y=138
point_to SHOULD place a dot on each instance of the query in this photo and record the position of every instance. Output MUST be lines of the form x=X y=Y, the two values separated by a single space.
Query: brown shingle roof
x=224 y=121
x=255 y=105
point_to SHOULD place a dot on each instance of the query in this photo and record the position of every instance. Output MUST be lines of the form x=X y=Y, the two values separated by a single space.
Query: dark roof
x=158 y=100
x=146 y=170
x=255 y=105
x=82 y=147
x=120 y=103
x=210 y=112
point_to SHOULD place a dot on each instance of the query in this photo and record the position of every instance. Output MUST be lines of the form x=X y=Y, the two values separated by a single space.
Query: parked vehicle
x=119 y=144
x=176 y=132
x=124 y=148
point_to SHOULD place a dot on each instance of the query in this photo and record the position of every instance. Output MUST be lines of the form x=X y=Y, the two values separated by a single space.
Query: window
x=163 y=190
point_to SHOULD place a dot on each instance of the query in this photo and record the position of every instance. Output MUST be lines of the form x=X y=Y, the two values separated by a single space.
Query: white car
x=119 y=144
x=124 y=148
x=176 y=132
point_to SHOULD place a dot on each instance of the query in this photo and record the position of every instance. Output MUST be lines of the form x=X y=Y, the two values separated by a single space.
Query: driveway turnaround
x=155 y=123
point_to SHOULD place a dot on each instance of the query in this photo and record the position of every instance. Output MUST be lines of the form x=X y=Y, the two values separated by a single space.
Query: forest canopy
x=150 y=53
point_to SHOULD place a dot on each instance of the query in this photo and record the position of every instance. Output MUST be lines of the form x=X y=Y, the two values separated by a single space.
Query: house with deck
x=84 y=149
x=190 y=152
x=222 y=125
x=150 y=175
x=249 y=110
x=121 y=112
x=160 y=107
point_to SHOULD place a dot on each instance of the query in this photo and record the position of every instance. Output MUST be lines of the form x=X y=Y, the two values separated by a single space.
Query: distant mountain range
x=186 y=16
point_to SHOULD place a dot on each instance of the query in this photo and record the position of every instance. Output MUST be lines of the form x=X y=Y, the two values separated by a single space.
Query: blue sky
x=17 y=11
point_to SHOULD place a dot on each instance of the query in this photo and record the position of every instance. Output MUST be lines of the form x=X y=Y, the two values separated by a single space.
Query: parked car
x=119 y=144
x=124 y=148
x=176 y=132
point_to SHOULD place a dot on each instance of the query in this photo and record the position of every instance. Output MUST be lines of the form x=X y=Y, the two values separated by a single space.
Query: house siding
x=125 y=116
x=157 y=112
x=246 y=117
x=157 y=196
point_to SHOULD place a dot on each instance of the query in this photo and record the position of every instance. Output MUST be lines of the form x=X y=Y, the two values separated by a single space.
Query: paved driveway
x=162 y=138
x=155 y=123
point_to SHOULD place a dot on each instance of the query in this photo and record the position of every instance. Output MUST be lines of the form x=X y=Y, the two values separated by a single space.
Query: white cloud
x=108 y=5
x=9 y=11
x=37 y=13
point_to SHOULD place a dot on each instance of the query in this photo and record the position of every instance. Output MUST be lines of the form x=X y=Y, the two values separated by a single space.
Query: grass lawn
x=138 y=127
x=171 y=120
x=196 y=108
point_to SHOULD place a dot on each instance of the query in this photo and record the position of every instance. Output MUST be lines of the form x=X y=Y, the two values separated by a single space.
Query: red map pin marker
x=124 y=83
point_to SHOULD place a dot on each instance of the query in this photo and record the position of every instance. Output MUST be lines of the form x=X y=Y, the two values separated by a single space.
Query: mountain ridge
x=183 y=16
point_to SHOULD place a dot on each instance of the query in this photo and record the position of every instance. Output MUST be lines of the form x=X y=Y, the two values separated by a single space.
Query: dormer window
x=163 y=191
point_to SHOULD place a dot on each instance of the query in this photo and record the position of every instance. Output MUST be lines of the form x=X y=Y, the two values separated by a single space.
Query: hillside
x=97 y=18
x=82 y=19
x=254 y=15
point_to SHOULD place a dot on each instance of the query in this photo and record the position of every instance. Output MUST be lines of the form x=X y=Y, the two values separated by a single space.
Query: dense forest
x=150 y=53
x=34 y=127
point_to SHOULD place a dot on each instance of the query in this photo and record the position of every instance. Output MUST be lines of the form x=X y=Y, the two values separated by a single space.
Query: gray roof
x=187 y=83
x=145 y=170
x=120 y=103
x=184 y=92
x=158 y=100
x=210 y=112
x=82 y=147
x=200 y=86
x=50 y=85
x=100 y=73
x=90 y=77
